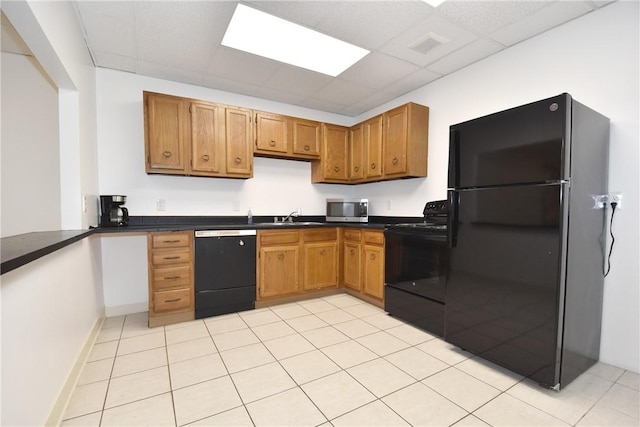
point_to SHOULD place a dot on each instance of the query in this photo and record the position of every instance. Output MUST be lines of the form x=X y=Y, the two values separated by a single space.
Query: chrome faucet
x=289 y=217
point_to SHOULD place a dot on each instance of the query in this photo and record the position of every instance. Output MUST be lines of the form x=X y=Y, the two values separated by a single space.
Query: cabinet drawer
x=374 y=237
x=179 y=299
x=171 y=277
x=320 y=235
x=171 y=257
x=278 y=238
x=171 y=240
x=353 y=235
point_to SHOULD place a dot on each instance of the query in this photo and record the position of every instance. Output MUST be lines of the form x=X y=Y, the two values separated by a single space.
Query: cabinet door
x=165 y=134
x=374 y=271
x=372 y=132
x=352 y=265
x=320 y=265
x=335 y=143
x=305 y=135
x=204 y=138
x=356 y=152
x=396 y=123
x=278 y=271
x=271 y=133
x=239 y=158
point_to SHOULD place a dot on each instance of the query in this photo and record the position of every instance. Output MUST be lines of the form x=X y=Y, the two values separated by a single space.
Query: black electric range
x=416 y=261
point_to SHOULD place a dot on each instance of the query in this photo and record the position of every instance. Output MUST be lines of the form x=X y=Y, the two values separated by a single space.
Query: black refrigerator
x=525 y=280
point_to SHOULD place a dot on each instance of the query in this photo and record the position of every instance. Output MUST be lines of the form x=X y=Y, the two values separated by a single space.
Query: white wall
x=48 y=309
x=594 y=58
x=30 y=148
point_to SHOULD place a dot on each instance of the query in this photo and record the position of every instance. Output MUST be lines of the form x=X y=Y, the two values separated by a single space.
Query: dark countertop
x=22 y=249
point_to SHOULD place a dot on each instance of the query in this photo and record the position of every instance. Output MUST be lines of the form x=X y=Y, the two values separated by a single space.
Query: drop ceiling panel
x=299 y=82
x=110 y=28
x=377 y=71
x=169 y=73
x=116 y=62
x=233 y=64
x=342 y=92
x=464 y=56
x=541 y=21
x=485 y=17
x=353 y=23
x=456 y=36
x=306 y=13
x=413 y=81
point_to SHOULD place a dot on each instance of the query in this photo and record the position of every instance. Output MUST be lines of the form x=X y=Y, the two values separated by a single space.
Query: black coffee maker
x=112 y=213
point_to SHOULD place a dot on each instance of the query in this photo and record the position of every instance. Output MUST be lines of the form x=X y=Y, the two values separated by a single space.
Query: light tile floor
x=333 y=361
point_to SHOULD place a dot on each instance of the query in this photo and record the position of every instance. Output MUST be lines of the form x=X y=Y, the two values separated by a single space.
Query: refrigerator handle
x=454 y=158
x=452 y=218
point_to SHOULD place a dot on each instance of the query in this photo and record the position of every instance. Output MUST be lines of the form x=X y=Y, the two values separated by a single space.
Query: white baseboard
x=60 y=406
x=120 y=310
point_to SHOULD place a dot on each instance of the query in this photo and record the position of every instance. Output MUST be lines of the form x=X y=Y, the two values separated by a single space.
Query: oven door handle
x=452 y=218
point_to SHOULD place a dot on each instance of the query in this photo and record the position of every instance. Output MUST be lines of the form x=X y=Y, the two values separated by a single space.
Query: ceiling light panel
x=265 y=35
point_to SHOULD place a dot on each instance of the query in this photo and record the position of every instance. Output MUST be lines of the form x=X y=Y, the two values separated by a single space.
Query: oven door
x=415 y=277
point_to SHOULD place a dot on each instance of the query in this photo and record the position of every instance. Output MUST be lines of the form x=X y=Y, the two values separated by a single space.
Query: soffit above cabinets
x=411 y=43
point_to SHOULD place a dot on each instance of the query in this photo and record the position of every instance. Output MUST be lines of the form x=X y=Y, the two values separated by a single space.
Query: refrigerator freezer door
x=522 y=145
x=504 y=282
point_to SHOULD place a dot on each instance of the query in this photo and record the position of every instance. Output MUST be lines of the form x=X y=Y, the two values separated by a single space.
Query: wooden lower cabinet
x=171 y=283
x=363 y=261
x=292 y=262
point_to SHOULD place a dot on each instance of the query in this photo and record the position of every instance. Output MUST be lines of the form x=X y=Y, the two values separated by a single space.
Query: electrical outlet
x=599 y=200
x=615 y=198
x=161 y=205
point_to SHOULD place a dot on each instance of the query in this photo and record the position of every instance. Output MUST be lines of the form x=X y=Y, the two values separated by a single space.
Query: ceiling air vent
x=427 y=42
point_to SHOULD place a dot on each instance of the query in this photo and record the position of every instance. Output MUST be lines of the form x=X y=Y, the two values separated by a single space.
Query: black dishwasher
x=225 y=271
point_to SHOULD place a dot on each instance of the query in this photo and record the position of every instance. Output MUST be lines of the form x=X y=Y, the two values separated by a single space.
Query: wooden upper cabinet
x=405 y=141
x=356 y=152
x=191 y=137
x=305 y=135
x=238 y=137
x=372 y=132
x=271 y=134
x=165 y=134
x=205 y=138
x=333 y=164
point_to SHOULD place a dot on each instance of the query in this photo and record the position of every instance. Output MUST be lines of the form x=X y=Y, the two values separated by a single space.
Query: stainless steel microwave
x=348 y=210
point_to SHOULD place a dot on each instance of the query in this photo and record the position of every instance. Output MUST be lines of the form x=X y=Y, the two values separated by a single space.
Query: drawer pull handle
x=205 y=157
x=173 y=300
x=307 y=148
x=172 y=257
x=394 y=161
x=171 y=277
x=373 y=166
x=272 y=143
x=171 y=241
x=167 y=154
x=237 y=160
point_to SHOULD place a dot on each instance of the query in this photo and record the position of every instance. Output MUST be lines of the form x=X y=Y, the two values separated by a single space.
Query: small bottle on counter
x=249 y=217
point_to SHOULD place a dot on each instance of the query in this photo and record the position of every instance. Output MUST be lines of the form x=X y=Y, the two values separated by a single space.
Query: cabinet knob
x=280 y=256
x=167 y=154
x=237 y=160
x=373 y=166
x=394 y=161
x=336 y=168
x=352 y=252
x=307 y=148
x=356 y=168
x=372 y=257
x=322 y=252
x=272 y=143
x=205 y=157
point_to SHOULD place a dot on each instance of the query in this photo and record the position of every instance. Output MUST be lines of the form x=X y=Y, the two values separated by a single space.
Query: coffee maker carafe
x=112 y=213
